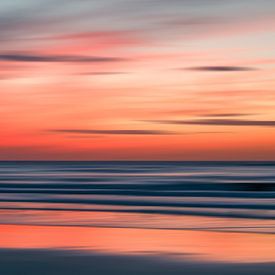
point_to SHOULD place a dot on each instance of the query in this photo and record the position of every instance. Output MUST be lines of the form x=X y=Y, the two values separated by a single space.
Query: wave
x=241 y=190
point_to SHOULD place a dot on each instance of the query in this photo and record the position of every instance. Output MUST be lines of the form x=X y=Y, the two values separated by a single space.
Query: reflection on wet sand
x=195 y=245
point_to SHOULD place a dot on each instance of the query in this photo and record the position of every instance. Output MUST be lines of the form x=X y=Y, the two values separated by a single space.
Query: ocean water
x=219 y=196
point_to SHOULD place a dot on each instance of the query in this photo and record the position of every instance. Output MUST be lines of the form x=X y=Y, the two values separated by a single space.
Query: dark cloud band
x=56 y=58
x=220 y=122
x=224 y=115
x=111 y=132
x=221 y=68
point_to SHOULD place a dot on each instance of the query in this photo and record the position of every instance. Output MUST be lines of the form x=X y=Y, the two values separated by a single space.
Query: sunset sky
x=137 y=80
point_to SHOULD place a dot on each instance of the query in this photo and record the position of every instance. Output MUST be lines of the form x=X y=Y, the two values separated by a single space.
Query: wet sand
x=58 y=262
x=90 y=250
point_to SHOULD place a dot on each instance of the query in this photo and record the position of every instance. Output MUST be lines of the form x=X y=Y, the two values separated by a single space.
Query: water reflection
x=194 y=245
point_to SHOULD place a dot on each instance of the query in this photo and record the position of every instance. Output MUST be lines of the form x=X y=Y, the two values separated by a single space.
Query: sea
x=179 y=195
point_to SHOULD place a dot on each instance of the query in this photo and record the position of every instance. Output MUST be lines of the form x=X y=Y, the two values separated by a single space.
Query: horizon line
x=133 y=160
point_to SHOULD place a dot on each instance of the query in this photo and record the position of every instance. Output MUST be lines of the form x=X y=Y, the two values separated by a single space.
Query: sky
x=137 y=80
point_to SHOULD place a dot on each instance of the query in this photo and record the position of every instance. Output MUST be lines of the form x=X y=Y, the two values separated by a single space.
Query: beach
x=137 y=137
x=82 y=250
x=133 y=218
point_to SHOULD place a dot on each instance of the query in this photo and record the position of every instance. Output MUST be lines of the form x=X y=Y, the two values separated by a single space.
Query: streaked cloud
x=219 y=122
x=223 y=115
x=102 y=73
x=56 y=58
x=221 y=68
x=112 y=132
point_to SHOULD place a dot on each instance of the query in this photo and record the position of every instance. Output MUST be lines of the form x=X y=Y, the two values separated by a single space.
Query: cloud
x=101 y=73
x=111 y=132
x=220 y=122
x=207 y=113
x=223 y=115
x=193 y=21
x=221 y=68
x=97 y=133
x=17 y=57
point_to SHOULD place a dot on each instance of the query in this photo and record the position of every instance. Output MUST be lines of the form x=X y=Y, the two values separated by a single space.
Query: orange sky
x=175 y=80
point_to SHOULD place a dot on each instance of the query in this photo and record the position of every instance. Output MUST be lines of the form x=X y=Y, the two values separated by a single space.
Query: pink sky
x=120 y=79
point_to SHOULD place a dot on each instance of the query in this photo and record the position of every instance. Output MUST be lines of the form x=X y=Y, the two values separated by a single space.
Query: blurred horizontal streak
x=144 y=203
x=142 y=193
x=112 y=132
x=56 y=58
x=240 y=215
x=204 y=189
